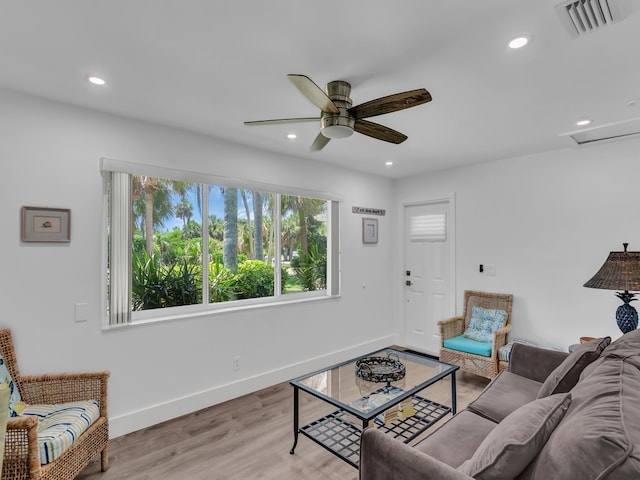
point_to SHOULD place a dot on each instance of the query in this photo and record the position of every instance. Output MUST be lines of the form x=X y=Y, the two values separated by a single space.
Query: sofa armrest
x=385 y=458
x=451 y=327
x=533 y=362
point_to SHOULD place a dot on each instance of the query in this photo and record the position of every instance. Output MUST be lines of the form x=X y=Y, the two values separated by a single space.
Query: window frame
x=109 y=166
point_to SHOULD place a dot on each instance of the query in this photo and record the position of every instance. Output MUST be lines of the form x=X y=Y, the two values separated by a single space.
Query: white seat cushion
x=60 y=425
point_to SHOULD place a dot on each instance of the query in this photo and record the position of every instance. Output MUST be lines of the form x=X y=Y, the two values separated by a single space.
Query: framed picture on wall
x=42 y=224
x=369 y=230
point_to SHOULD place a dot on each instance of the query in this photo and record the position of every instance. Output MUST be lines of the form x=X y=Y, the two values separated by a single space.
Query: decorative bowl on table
x=381 y=369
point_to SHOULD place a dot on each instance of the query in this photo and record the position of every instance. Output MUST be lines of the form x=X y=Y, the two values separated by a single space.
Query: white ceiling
x=209 y=65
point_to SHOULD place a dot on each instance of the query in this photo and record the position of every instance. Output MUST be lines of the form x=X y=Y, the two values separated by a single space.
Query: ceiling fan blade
x=319 y=143
x=390 y=103
x=378 y=131
x=282 y=120
x=313 y=93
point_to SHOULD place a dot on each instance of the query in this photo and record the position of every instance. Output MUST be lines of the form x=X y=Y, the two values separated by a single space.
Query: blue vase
x=627 y=318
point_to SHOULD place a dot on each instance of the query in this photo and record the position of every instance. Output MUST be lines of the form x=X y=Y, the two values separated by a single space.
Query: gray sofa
x=552 y=415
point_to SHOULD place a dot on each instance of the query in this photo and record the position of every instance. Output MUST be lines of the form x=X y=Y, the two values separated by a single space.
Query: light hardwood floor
x=245 y=438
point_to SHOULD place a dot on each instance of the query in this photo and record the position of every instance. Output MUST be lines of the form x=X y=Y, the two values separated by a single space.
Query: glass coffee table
x=363 y=399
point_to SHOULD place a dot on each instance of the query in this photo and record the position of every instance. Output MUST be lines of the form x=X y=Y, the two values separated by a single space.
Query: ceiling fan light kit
x=338 y=119
x=336 y=127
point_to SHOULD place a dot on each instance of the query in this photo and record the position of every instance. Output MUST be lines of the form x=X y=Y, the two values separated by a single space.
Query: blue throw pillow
x=16 y=405
x=484 y=322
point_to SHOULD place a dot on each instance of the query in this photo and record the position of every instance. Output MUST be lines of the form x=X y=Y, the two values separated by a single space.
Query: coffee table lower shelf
x=337 y=432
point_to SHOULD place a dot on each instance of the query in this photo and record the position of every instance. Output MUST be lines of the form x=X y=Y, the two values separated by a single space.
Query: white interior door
x=429 y=271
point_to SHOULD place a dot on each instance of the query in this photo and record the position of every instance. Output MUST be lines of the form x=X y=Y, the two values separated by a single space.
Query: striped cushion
x=60 y=425
x=505 y=352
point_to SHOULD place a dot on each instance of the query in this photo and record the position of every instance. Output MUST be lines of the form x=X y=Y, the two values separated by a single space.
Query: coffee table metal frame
x=338 y=433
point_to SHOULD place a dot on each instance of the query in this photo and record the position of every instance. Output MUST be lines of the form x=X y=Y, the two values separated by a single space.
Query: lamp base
x=627 y=317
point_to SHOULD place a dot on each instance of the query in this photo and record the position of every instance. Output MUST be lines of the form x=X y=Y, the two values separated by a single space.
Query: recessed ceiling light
x=582 y=123
x=388 y=164
x=518 y=42
x=96 y=80
x=292 y=136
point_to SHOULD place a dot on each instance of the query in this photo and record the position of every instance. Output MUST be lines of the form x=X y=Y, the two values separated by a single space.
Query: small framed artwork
x=369 y=230
x=41 y=224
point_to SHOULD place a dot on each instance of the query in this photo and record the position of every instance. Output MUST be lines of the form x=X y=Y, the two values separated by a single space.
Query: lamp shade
x=621 y=271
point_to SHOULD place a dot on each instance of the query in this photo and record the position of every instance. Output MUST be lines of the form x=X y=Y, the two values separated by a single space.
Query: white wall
x=50 y=156
x=547 y=222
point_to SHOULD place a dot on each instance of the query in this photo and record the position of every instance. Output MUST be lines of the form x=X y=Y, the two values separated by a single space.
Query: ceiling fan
x=338 y=119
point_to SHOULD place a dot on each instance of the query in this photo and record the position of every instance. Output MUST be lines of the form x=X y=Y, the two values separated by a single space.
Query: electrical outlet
x=236 y=363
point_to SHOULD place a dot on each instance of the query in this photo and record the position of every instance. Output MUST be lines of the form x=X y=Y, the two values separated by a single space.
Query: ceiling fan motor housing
x=338 y=125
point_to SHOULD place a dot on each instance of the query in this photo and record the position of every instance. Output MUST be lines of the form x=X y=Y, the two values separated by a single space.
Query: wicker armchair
x=480 y=365
x=21 y=452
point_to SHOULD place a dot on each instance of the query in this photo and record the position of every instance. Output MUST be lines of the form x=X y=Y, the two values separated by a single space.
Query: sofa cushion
x=567 y=374
x=483 y=322
x=510 y=447
x=60 y=425
x=534 y=362
x=464 y=344
x=627 y=347
x=382 y=457
x=466 y=431
x=506 y=393
x=600 y=434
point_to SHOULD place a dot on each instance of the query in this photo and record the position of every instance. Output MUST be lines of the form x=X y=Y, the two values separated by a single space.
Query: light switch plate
x=82 y=312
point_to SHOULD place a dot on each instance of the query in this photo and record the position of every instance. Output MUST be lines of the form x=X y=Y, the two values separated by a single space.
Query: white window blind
x=120 y=249
x=428 y=228
x=112 y=165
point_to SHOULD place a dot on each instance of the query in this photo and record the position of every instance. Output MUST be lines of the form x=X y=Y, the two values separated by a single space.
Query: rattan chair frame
x=21 y=452
x=487 y=367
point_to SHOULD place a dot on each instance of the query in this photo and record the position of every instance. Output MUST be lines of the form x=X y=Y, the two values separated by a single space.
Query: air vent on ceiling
x=583 y=16
x=611 y=131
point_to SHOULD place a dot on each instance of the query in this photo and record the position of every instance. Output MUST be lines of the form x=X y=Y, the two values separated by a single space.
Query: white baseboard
x=154 y=414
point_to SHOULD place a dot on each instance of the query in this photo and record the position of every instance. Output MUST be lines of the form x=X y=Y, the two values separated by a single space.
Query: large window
x=177 y=246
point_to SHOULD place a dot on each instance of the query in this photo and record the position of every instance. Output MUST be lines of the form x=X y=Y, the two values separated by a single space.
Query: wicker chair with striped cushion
x=64 y=425
x=472 y=340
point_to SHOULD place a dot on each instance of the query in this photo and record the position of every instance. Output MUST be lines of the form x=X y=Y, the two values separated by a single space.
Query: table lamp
x=621 y=271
